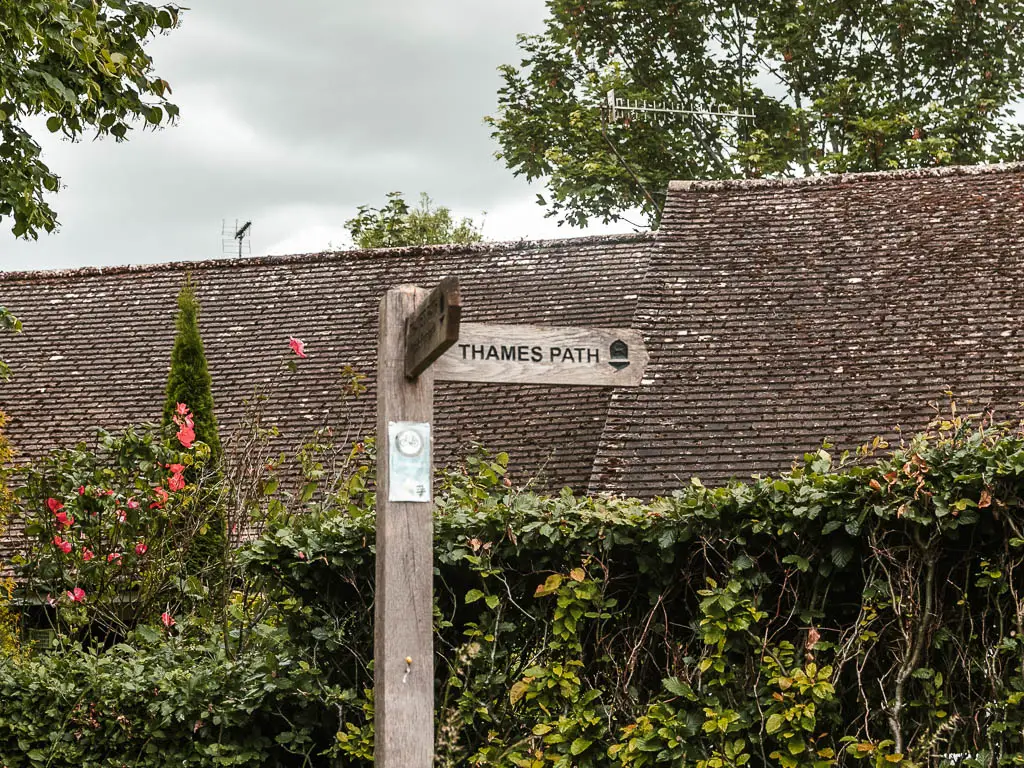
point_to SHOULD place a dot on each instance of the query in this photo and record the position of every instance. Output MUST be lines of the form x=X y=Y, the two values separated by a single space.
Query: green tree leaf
x=832 y=87
x=82 y=65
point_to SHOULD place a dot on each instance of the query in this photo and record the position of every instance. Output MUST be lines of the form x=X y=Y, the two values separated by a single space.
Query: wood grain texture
x=403 y=615
x=433 y=326
x=533 y=354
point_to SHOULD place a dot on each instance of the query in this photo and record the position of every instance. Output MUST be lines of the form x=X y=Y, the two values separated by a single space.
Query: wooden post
x=420 y=339
x=403 y=607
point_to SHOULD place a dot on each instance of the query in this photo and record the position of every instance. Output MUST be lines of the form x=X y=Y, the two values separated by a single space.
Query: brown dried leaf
x=812 y=639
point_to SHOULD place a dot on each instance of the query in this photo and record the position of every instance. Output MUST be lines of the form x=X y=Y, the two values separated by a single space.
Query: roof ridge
x=364 y=253
x=843 y=178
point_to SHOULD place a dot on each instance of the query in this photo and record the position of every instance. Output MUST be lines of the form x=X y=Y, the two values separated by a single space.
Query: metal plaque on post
x=409 y=461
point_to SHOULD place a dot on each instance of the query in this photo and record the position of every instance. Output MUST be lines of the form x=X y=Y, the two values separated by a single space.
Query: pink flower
x=113 y=556
x=76 y=595
x=81 y=490
x=109 y=492
x=63 y=520
x=186 y=436
x=140 y=548
x=87 y=554
x=133 y=504
x=161 y=499
x=121 y=516
x=50 y=601
x=54 y=505
x=298 y=346
x=167 y=619
x=186 y=426
x=176 y=481
x=302 y=555
x=63 y=546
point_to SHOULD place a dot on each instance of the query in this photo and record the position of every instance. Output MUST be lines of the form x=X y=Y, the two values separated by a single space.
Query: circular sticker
x=409 y=442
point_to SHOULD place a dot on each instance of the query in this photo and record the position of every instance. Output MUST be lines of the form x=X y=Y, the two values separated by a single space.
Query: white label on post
x=409 y=461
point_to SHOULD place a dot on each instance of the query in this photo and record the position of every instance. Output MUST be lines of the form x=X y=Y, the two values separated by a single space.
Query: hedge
x=867 y=608
x=871 y=610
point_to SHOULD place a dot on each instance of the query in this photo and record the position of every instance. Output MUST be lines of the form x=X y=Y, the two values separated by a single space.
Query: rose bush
x=109 y=529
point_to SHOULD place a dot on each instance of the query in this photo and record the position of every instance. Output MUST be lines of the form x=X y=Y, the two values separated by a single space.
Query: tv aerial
x=661 y=112
x=240 y=233
x=654 y=112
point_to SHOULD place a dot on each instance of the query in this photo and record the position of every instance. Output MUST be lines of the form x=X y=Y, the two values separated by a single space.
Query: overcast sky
x=293 y=114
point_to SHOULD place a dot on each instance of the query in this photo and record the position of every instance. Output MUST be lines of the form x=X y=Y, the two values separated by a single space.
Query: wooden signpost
x=422 y=339
x=534 y=354
x=433 y=328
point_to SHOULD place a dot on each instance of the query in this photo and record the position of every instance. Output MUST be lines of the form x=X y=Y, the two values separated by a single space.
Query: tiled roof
x=782 y=313
x=777 y=314
x=96 y=346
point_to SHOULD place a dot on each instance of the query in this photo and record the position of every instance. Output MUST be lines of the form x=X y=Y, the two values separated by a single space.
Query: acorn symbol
x=619 y=355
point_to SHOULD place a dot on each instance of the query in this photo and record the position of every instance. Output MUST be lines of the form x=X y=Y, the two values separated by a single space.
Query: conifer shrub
x=189 y=379
x=189 y=382
x=8 y=624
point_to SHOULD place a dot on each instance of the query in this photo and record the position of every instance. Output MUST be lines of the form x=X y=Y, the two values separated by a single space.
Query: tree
x=396 y=224
x=189 y=381
x=81 y=65
x=855 y=85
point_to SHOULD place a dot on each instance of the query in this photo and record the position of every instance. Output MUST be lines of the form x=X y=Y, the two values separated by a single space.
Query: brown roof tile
x=96 y=346
x=777 y=314
x=782 y=313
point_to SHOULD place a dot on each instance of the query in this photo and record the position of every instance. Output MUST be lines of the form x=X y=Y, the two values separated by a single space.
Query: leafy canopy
x=81 y=65
x=396 y=224
x=834 y=86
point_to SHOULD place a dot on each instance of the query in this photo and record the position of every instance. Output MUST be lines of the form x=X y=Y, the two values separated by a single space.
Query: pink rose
x=298 y=346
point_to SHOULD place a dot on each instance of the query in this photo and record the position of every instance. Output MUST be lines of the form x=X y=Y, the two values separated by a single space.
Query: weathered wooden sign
x=433 y=328
x=421 y=338
x=534 y=354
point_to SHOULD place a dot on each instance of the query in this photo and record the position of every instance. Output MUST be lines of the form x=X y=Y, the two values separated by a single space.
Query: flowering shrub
x=109 y=529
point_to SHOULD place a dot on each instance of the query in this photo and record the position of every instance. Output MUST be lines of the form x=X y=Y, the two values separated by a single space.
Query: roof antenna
x=242 y=234
x=661 y=111
x=657 y=112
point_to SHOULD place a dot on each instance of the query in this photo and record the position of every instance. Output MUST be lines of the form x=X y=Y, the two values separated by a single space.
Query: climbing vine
x=859 y=608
